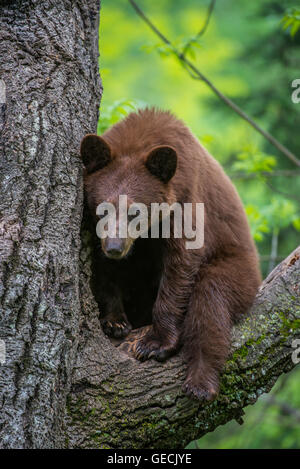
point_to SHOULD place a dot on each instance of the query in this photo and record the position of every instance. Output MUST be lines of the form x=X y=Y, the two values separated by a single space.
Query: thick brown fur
x=194 y=295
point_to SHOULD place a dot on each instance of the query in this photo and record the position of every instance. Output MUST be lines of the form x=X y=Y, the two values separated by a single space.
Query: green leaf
x=258 y=222
x=252 y=160
x=116 y=111
x=291 y=20
x=295 y=27
x=296 y=223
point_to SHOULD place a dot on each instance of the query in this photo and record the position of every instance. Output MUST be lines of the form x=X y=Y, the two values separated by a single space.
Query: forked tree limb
x=118 y=402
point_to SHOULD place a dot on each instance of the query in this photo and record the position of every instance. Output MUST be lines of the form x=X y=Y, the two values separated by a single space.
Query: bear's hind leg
x=113 y=318
x=223 y=289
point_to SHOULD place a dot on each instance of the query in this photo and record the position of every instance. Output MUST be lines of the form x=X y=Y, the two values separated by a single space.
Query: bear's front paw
x=117 y=329
x=151 y=346
x=200 y=389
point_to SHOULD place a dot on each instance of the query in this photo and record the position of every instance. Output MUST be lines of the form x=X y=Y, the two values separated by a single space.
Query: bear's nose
x=114 y=247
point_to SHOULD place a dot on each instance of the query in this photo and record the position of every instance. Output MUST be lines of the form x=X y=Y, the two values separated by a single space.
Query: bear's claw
x=200 y=392
x=114 y=329
x=149 y=347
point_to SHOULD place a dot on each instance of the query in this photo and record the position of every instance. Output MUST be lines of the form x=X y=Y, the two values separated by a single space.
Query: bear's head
x=136 y=180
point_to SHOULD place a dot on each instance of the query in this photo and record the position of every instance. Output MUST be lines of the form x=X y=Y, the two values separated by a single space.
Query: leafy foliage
x=111 y=114
x=258 y=222
x=252 y=160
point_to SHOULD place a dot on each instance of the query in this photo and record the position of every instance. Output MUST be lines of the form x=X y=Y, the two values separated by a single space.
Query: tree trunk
x=49 y=66
x=64 y=384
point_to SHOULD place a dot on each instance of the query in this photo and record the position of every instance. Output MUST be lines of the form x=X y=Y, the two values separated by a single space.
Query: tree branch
x=118 y=402
x=197 y=74
x=203 y=28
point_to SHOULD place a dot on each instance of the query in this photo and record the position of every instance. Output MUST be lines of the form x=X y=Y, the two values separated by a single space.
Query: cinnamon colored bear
x=191 y=296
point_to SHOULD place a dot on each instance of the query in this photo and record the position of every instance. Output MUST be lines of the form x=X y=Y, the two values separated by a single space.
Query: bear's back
x=198 y=178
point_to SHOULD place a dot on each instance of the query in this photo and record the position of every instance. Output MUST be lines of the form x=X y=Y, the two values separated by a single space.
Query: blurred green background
x=250 y=51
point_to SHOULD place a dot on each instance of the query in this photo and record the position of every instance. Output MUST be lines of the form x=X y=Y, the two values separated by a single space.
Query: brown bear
x=191 y=296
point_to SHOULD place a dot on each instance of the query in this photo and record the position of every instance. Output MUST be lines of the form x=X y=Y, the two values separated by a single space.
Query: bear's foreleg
x=163 y=337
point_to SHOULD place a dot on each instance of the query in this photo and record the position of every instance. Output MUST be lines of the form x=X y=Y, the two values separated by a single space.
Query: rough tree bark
x=49 y=64
x=64 y=384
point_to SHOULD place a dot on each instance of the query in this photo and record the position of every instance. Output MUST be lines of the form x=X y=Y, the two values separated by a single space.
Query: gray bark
x=49 y=64
x=64 y=384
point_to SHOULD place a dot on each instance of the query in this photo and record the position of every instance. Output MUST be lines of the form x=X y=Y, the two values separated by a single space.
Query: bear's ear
x=162 y=162
x=95 y=152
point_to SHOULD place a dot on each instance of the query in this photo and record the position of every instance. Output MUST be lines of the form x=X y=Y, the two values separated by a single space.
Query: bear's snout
x=116 y=248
